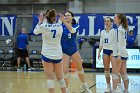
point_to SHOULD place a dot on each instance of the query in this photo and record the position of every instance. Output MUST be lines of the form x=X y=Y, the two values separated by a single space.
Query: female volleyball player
x=120 y=53
x=51 y=49
x=106 y=43
x=69 y=48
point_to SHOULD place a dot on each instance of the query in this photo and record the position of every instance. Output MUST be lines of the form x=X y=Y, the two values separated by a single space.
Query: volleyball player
x=106 y=43
x=120 y=53
x=69 y=48
x=51 y=49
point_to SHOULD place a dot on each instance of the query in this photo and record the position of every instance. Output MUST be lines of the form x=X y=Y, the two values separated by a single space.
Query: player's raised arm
x=68 y=25
x=39 y=27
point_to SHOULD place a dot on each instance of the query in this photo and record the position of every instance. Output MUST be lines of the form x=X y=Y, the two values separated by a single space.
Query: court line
x=90 y=87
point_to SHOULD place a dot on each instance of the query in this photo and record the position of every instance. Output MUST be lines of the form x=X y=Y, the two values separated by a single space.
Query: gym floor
x=35 y=82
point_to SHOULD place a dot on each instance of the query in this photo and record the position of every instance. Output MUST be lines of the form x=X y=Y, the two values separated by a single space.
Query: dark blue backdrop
x=92 y=24
x=7 y=25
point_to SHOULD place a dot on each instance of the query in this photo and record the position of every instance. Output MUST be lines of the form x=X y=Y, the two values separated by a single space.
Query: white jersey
x=120 y=48
x=107 y=39
x=51 y=35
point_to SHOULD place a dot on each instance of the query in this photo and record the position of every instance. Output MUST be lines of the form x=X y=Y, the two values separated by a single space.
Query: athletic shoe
x=84 y=87
x=119 y=88
x=30 y=68
x=19 y=69
x=125 y=91
x=88 y=91
x=113 y=91
x=108 y=90
x=67 y=90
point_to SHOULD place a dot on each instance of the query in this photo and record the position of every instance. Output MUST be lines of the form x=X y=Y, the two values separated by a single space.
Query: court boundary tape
x=90 y=87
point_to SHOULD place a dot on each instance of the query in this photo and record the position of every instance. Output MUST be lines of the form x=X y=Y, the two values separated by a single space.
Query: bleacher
x=8 y=52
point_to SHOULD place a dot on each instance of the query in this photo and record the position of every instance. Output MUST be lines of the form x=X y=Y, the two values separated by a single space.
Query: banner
x=133 y=61
x=7 y=25
x=92 y=24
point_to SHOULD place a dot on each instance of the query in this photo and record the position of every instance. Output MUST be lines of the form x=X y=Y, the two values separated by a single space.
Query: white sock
x=114 y=91
x=108 y=86
x=84 y=83
x=67 y=89
x=126 y=90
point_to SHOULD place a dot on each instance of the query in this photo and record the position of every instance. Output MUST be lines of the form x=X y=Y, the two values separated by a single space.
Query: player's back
x=51 y=36
x=121 y=41
x=122 y=35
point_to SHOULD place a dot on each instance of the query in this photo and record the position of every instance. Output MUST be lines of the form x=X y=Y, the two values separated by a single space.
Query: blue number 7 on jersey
x=54 y=33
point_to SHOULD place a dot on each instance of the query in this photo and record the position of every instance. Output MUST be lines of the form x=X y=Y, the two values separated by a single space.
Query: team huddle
x=59 y=45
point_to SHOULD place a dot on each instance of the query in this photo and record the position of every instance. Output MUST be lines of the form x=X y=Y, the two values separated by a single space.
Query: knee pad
x=124 y=77
x=62 y=83
x=66 y=76
x=80 y=71
x=50 y=83
x=115 y=76
x=107 y=74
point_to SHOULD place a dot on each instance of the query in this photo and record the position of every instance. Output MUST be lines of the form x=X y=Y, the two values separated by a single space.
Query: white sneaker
x=84 y=87
x=119 y=88
x=67 y=90
x=108 y=90
x=113 y=91
x=30 y=68
x=88 y=91
x=125 y=91
x=19 y=69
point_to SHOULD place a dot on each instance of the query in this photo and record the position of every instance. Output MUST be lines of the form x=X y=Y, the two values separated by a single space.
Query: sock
x=126 y=90
x=108 y=86
x=84 y=83
x=67 y=89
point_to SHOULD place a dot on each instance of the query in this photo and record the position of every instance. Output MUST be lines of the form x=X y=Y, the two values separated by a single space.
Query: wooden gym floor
x=35 y=82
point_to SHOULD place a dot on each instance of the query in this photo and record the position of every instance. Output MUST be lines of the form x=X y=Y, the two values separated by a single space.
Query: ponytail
x=51 y=14
x=124 y=21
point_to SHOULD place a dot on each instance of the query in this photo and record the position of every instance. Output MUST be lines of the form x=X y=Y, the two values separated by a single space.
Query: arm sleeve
x=120 y=37
x=38 y=29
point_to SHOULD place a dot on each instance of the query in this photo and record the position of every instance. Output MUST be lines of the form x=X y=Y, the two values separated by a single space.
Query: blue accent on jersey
x=124 y=58
x=50 y=60
x=117 y=35
x=22 y=41
x=68 y=40
x=107 y=52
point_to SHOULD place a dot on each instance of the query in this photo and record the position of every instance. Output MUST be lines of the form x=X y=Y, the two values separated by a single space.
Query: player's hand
x=41 y=18
x=119 y=58
x=62 y=17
